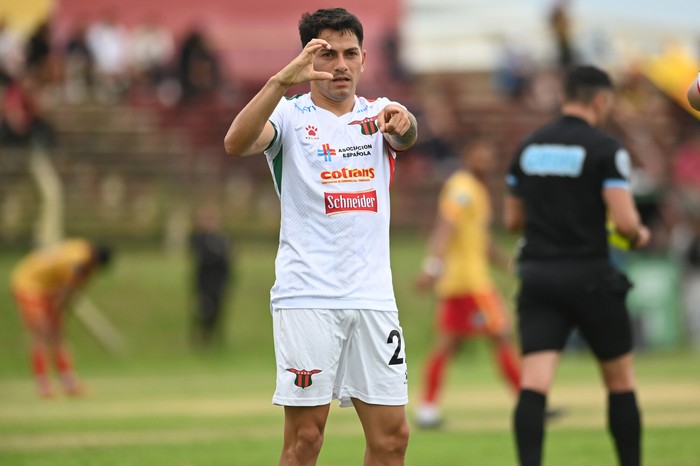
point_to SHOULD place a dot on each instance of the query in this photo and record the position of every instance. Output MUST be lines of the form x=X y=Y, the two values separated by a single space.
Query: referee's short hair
x=584 y=82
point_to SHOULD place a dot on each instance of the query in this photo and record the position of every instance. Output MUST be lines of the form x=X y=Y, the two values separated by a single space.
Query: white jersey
x=332 y=175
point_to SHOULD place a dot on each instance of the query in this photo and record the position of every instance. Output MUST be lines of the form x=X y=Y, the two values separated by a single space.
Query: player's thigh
x=493 y=311
x=38 y=315
x=381 y=423
x=375 y=364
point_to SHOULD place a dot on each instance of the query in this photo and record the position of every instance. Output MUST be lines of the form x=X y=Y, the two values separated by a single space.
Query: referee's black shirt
x=559 y=173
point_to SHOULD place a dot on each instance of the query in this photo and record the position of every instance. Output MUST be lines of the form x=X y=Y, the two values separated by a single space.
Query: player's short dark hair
x=336 y=19
x=584 y=82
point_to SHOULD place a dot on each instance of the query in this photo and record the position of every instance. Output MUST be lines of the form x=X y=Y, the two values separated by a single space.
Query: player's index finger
x=381 y=120
x=315 y=45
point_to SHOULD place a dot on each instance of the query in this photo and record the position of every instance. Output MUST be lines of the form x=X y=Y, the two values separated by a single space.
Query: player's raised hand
x=301 y=69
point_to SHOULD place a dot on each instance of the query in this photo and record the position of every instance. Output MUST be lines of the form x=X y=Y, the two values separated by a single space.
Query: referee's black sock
x=625 y=426
x=528 y=421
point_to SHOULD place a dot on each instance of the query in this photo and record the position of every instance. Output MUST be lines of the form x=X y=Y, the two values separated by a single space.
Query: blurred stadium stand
x=133 y=167
x=254 y=40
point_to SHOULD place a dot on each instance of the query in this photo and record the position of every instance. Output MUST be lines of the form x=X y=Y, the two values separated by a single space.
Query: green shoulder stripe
x=274 y=138
x=277 y=169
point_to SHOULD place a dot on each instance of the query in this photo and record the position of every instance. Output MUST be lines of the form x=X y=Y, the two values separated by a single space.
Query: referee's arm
x=625 y=217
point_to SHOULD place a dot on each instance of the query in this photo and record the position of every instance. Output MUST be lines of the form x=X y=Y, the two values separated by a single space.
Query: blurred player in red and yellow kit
x=43 y=284
x=457 y=268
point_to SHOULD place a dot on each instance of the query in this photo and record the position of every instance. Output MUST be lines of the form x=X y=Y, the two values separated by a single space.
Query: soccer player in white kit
x=335 y=320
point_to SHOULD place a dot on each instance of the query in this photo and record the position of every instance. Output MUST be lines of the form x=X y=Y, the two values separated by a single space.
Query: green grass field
x=163 y=404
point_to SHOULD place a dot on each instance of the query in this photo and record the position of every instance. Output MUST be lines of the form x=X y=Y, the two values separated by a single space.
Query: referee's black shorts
x=557 y=296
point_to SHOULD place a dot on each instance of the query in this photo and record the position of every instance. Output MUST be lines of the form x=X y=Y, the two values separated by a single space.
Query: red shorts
x=473 y=314
x=38 y=311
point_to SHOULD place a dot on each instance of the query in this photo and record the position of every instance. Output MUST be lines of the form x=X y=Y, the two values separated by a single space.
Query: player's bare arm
x=513 y=213
x=251 y=132
x=625 y=217
x=440 y=238
x=398 y=125
x=499 y=258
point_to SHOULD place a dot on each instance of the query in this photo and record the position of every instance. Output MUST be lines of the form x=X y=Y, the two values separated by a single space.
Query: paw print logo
x=311 y=130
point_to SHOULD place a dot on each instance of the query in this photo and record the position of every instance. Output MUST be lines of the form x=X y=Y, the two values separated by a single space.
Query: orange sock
x=63 y=361
x=510 y=368
x=40 y=370
x=39 y=366
x=65 y=368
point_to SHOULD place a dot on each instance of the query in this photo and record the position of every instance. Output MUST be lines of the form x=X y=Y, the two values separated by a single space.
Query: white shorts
x=327 y=354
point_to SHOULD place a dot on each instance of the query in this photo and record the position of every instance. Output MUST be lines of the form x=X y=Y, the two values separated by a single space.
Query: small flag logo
x=326 y=152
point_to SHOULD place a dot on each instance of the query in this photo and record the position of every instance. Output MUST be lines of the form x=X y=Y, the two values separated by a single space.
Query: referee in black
x=566 y=180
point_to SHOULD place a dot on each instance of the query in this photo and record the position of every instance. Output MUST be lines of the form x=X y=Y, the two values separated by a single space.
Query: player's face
x=481 y=158
x=345 y=60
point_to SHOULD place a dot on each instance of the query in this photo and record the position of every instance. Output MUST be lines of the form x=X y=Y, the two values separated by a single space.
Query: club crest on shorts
x=303 y=377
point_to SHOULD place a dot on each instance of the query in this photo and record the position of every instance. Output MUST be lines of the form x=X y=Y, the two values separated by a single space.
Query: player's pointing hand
x=398 y=126
x=393 y=120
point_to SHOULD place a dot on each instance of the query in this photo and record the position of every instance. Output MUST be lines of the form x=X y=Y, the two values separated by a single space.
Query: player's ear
x=364 y=58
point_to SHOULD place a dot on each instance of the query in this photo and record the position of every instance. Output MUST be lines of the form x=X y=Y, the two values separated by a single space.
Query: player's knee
x=618 y=374
x=536 y=384
x=393 y=444
x=307 y=442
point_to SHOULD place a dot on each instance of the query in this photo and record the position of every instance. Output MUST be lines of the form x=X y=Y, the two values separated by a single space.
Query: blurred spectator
x=22 y=122
x=560 y=24
x=199 y=70
x=38 y=51
x=152 y=49
x=392 y=54
x=11 y=56
x=636 y=117
x=545 y=91
x=23 y=125
x=211 y=249
x=686 y=167
x=441 y=129
x=109 y=46
x=685 y=246
x=79 y=65
x=686 y=178
x=514 y=71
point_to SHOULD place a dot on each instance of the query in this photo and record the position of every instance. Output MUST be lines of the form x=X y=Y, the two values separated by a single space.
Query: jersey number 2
x=395 y=359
